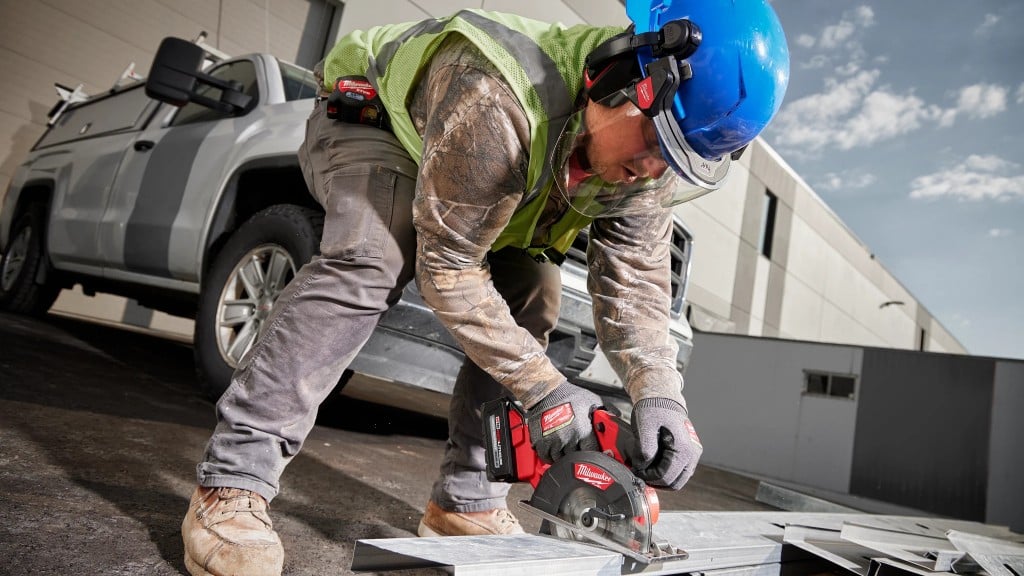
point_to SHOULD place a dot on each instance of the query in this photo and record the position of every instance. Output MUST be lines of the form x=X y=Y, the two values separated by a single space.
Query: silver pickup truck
x=200 y=210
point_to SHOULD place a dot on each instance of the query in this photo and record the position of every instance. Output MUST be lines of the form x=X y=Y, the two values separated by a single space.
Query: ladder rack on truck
x=69 y=96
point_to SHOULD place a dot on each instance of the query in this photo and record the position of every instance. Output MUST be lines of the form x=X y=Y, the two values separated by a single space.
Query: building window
x=771 y=203
x=827 y=384
x=922 y=340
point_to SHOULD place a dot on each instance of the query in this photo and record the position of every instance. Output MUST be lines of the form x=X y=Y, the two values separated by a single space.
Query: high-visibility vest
x=542 y=63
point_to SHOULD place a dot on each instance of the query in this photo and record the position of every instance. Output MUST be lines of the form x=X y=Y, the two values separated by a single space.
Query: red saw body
x=586 y=495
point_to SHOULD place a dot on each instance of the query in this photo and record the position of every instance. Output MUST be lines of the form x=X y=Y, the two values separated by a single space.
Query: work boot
x=227 y=532
x=438 y=522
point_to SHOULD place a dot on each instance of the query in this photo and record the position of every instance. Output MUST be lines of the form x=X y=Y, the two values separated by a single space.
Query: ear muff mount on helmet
x=613 y=66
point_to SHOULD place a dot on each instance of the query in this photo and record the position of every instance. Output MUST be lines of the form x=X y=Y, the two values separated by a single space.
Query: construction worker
x=477 y=148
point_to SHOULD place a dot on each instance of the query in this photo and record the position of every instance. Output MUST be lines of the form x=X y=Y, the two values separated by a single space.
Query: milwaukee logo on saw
x=556 y=418
x=593 y=475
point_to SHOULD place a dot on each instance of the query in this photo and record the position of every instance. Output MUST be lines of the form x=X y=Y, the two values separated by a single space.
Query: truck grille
x=681 y=250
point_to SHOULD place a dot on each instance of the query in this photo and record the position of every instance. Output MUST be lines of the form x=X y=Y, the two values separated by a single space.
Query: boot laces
x=505 y=519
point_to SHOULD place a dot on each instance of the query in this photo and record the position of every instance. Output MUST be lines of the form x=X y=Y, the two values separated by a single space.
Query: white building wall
x=821 y=284
x=715 y=223
x=746 y=398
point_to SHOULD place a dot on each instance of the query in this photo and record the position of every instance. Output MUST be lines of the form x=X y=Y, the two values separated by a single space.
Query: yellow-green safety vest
x=542 y=63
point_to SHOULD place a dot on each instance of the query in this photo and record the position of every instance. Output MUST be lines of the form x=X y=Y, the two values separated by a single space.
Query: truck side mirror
x=175 y=78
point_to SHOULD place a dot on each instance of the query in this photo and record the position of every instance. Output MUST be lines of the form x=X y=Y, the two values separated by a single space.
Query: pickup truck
x=198 y=209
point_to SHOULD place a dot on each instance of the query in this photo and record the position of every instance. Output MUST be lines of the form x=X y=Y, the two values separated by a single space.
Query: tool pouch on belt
x=355 y=100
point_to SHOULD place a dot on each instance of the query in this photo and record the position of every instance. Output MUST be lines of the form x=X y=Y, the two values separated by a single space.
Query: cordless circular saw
x=587 y=496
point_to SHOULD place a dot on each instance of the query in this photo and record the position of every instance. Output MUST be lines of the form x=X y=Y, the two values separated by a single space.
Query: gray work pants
x=365 y=180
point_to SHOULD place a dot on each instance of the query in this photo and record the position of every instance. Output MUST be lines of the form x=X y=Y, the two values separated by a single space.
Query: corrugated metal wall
x=1006 y=448
x=939 y=433
x=923 y=431
x=746 y=400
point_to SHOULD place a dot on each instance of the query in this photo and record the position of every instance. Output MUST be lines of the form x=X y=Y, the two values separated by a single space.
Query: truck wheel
x=20 y=266
x=243 y=283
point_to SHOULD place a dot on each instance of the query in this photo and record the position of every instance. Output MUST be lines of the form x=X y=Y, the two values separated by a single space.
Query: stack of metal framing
x=730 y=544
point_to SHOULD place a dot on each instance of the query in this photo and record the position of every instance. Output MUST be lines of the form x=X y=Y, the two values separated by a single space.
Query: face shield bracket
x=612 y=67
x=655 y=93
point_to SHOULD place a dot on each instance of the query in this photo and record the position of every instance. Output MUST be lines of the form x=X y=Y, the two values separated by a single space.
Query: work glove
x=560 y=422
x=668 y=444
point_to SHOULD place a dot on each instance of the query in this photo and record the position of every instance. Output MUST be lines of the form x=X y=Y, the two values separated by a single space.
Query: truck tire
x=244 y=281
x=25 y=257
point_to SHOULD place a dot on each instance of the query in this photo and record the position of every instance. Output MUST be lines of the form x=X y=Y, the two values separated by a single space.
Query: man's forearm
x=472 y=178
x=630 y=285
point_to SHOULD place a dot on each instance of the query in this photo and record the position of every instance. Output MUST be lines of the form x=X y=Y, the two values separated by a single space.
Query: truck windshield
x=298 y=82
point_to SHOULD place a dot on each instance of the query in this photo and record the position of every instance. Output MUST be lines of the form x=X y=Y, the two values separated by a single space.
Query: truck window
x=298 y=82
x=241 y=71
x=118 y=112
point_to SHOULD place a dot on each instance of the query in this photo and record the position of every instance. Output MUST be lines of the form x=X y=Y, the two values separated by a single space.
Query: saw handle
x=614 y=436
x=510 y=454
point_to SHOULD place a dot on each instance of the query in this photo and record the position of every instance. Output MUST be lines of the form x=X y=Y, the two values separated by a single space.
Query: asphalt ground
x=101 y=429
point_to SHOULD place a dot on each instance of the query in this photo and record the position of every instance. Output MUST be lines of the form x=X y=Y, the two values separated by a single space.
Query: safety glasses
x=610 y=161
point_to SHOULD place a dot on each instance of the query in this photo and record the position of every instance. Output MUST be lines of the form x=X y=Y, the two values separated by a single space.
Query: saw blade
x=598 y=495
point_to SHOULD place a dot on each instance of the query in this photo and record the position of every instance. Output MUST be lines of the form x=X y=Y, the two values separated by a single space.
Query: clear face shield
x=612 y=159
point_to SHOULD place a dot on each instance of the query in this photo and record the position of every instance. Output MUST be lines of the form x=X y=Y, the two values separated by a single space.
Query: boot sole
x=194 y=568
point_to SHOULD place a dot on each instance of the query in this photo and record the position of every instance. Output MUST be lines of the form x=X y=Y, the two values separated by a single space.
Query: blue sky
x=907 y=118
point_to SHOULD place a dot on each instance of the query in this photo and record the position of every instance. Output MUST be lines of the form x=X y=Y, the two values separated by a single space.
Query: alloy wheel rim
x=14 y=259
x=249 y=294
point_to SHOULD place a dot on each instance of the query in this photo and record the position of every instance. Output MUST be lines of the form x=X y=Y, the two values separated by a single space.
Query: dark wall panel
x=923 y=431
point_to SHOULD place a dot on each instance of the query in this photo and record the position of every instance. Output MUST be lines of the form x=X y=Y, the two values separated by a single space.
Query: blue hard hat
x=738 y=73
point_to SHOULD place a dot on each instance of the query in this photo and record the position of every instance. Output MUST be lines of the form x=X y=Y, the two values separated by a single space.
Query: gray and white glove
x=668 y=444
x=560 y=422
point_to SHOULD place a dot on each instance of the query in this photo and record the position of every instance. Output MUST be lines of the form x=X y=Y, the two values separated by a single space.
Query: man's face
x=621 y=144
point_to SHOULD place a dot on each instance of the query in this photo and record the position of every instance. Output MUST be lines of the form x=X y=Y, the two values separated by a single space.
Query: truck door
x=93 y=137
x=168 y=180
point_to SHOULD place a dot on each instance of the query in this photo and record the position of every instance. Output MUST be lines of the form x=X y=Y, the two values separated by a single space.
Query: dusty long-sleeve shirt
x=476 y=142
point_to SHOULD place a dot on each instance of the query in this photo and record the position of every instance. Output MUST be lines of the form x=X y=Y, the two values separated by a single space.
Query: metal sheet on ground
x=998 y=558
x=726 y=543
x=714 y=543
x=520 y=554
x=891 y=567
x=928 y=552
x=827 y=545
x=762 y=570
x=786 y=499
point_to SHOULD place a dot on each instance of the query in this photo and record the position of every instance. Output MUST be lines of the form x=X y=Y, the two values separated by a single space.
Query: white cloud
x=1000 y=233
x=986 y=25
x=851 y=113
x=833 y=36
x=854 y=110
x=846 y=180
x=848 y=69
x=816 y=61
x=988 y=163
x=841 y=35
x=982 y=100
x=976 y=178
x=884 y=115
x=838 y=35
x=806 y=41
x=1020 y=93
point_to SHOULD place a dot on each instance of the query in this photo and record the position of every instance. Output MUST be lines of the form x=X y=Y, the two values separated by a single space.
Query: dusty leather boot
x=227 y=532
x=438 y=522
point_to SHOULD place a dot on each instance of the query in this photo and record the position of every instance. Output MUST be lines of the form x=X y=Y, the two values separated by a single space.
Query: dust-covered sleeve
x=630 y=283
x=472 y=177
